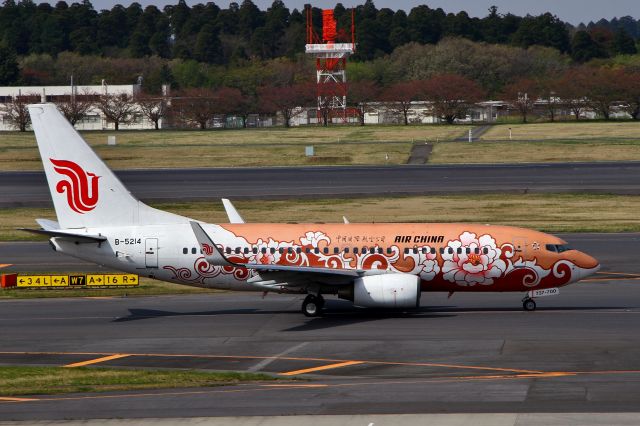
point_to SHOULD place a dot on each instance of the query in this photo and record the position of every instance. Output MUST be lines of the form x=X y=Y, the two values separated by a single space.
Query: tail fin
x=85 y=192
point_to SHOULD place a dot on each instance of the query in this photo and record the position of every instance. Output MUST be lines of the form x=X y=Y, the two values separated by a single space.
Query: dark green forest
x=205 y=45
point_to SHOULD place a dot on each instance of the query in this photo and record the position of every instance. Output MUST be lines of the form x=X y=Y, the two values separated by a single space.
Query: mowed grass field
x=548 y=151
x=565 y=130
x=344 y=145
x=340 y=145
x=545 y=212
x=17 y=381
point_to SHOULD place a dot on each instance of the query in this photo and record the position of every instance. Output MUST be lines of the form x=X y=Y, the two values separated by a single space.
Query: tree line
x=446 y=96
x=242 y=32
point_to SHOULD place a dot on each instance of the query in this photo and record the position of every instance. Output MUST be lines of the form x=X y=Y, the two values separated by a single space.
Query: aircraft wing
x=215 y=256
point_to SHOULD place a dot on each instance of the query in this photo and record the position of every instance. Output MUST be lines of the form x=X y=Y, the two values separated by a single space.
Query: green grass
x=147 y=287
x=536 y=152
x=601 y=130
x=340 y=145
x=343 y=145
x=20 y=381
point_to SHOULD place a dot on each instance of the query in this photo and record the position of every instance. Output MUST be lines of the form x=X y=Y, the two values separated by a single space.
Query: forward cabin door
x=151 y=252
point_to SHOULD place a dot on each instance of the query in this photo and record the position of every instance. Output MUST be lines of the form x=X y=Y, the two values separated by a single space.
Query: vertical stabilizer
x=85 y=192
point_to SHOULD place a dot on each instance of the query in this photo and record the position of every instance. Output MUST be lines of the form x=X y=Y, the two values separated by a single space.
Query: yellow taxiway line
x=96 y=360
x=321 y=368
x=13 y=399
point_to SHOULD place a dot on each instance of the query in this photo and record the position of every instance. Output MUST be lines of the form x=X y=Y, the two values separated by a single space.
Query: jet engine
x=385 y=291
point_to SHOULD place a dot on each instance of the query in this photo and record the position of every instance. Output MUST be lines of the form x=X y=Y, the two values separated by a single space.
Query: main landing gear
x=528 y=304
x=313 y=305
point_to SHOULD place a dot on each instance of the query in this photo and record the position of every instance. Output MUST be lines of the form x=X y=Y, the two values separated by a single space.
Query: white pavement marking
x=262 y=364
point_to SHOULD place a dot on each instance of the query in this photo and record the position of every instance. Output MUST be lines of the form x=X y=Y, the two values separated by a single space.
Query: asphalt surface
x=30 y=188
x=472 y=353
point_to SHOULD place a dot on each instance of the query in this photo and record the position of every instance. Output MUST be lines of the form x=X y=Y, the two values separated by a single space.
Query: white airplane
x=372 y=265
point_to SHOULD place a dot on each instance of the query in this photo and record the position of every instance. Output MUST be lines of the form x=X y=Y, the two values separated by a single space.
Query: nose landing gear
x=313 y=305
x=528 y=304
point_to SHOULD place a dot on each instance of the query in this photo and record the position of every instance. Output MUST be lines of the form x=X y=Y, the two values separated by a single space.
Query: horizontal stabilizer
x=76 y=237
x=47 y=224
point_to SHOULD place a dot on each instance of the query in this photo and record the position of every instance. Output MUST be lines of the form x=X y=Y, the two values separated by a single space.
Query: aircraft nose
x=585 y=265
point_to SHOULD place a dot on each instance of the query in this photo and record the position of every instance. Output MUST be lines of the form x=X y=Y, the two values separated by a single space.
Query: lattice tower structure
x=330 y=52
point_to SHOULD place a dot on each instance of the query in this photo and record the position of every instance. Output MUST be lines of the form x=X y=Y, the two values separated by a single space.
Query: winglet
x=346 y=221
x=211 y=251
x=234 y=216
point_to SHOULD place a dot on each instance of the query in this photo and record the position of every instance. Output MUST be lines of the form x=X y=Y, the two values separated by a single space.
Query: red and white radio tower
x=331 y=53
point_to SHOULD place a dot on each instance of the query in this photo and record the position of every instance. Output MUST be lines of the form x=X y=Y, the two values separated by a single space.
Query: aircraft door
x=151 y=252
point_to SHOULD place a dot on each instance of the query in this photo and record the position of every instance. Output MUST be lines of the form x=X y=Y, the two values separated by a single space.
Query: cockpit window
x=558 y=248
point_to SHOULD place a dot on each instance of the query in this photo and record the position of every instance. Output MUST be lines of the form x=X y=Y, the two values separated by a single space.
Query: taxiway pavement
x=30 y=188
x=472 y=353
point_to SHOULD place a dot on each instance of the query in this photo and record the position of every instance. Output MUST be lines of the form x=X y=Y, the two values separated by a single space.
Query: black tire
x=529 y=305
x=312 y=306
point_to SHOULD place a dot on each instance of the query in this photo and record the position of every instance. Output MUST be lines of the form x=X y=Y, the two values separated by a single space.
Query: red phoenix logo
x=207 y=249
x=81 y=187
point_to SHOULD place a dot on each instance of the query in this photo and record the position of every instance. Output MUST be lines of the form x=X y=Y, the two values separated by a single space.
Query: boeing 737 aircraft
x=373 y=265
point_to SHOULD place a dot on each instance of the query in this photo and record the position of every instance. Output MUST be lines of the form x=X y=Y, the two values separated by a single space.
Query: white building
x=94 y=120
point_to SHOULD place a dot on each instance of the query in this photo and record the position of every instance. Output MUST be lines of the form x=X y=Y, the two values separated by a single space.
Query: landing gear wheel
x=312 y=305
x=529 y=305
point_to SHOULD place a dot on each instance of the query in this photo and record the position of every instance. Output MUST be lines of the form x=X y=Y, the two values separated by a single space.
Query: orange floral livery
x=446 y=257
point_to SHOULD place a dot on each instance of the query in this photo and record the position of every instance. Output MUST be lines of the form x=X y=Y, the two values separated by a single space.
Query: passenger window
x=246 y=250
x=298 y=250
x=380 y=251
x=263 y=250
x=450 y=250
x=459 y=250
x=237 y=250
x=289 y=250
x=325 y=250
x=406 y=250
x=273 y=250
x=307 y=250
x=255 y=250
x=476 y=250
x=433 y=250
x=336 y=250
x=281 y=250
x=468 y=250
x=485 y=250
x=441 y=250
x=364 y=250
x=185 y=250
x=389 y=250
x=316 y=250
x=193 y=250
x=355 y=250
x=346 y=250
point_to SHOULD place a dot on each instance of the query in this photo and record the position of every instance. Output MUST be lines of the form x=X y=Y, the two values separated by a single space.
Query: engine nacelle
x=387 y=291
